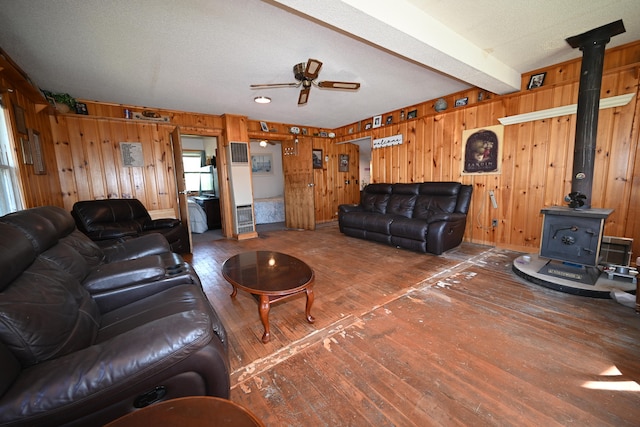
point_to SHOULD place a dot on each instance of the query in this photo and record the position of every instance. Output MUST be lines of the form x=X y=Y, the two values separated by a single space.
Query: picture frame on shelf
x=461 y=102
x=21 y=124
x=536 y=80
x=81 y=108
x=367 y=126
x=377 y=121
x=316 y=155
x=412 y=114
x=264 y=127
x=389 y=119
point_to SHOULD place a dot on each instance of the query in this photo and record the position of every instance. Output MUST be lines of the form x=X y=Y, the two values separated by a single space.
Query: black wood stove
x=572 y=236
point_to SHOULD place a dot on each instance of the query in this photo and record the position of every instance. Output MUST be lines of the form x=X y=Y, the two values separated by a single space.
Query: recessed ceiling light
x=262 y=100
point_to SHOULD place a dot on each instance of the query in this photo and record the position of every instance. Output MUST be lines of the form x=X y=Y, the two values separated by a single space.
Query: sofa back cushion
x=45 y=313
x=375 y=197
x=40 y=231
x=436 y=197
x=16 y=254
x=402 y=200
x=97 y=215
x=90 y=251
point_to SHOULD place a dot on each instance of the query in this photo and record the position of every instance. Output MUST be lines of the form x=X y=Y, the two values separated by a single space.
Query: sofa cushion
x=16 y=254
x=436 y=197
x=410 y=228
x=39 y=230
x=375 y=197
x=45 y=313
x=401 y=204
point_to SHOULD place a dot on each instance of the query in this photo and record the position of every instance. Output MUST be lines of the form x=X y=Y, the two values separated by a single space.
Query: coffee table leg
x=307 y=310
x=264 y=316
x=235 y=292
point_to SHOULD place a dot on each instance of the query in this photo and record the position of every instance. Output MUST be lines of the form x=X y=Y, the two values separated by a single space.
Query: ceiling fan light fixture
x=263 y=143
x=262 y=99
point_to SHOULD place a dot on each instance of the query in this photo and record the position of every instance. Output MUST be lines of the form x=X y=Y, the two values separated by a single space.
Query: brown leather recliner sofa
x=425 y=217
x=110 y=220
x=88 y=334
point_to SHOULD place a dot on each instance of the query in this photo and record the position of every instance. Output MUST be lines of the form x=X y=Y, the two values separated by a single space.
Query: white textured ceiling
x=202 y=55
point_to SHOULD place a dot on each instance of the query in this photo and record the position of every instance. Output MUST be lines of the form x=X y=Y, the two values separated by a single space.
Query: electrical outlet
x=494 y=222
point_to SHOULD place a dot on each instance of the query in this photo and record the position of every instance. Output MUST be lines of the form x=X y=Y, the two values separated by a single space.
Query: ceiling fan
x=306 y=75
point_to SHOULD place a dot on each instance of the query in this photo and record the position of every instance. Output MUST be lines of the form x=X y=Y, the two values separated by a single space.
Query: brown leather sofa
x=88 y=334
x=425 y=217
x=110 y=220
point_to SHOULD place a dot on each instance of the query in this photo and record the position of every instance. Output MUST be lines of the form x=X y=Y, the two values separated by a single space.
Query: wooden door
x=183 y=208
x=297 y=166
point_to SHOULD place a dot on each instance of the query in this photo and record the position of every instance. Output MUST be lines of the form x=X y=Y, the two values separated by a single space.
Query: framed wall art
x=21 y=124
x=412 y=114
x=536 y=80
x=377 y=121
x=317 y=158
x=482 y=150
x=27 y=154
x=262 y=164
x=343 y=163
x=36 y=152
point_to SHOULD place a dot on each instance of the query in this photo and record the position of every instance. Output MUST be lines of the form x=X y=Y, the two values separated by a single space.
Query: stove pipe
x=592 y=44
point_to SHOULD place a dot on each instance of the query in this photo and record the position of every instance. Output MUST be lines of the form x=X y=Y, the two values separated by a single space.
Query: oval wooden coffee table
x=270 y=277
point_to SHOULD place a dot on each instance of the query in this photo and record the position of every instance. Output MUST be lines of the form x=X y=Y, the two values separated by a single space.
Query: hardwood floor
x=409 y=339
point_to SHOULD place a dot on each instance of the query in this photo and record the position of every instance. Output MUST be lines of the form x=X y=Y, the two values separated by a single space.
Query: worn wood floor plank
x=409 y=339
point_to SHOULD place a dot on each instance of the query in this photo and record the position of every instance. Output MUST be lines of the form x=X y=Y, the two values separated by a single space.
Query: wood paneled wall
x=333 y=187
x=537 y=156
x=536 y=160
x=37 y=189
x=90 y=163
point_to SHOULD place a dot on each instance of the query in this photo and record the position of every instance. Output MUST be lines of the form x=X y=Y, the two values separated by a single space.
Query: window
x=9 y=191
x=197 y=176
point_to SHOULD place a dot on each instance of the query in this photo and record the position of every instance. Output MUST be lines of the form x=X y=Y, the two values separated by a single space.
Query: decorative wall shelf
x=614 y=101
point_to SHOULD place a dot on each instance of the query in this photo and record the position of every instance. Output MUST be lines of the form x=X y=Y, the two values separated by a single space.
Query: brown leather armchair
x=87 y=337
x=111 y=220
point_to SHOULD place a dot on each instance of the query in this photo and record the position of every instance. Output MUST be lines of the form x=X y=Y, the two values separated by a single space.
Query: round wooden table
x=190 y=412
x=270 y=277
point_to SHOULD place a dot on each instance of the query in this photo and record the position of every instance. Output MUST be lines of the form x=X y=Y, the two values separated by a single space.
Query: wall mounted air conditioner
x=241 y=188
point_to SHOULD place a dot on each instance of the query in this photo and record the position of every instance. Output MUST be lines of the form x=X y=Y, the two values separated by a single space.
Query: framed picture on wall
x=36 y=151
x=482 y=150
x=21 y=124
x=262 y=164
x=27 y=155
x=343 y=163
x=536 y=80
x=264 y=127
x=317 y=158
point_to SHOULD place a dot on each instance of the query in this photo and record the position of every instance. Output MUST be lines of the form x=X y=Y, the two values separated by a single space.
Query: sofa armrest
x=161 y=223
x=108 y=277
x=116 y=371
x=148 y=244
x=112 y=232
x=346 y=208
x=445 y=232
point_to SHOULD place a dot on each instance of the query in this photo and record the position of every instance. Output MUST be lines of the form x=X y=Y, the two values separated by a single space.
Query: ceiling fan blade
x=312 y=69
x=304 y=96
x=276 y=85
x=339 y=85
